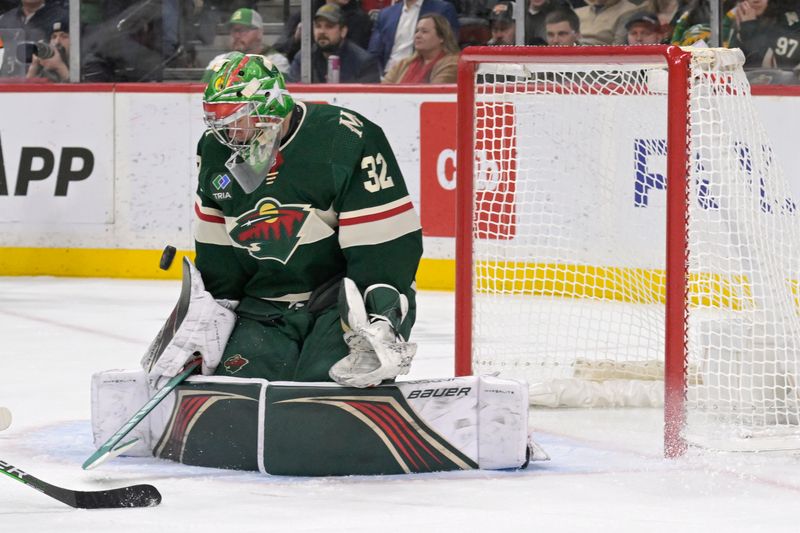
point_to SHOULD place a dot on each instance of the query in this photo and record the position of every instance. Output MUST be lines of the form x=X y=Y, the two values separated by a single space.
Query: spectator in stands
x=160 y=26
x=667 y=11
x=34 y=17
x=247 y=36
x=644 y=28
x=503 y=27
x=52 y=62
x=394 y=32
x=603 y=21
x=435 y=56
x=330 y=38
x=783 y=52
x=289 y=43
x=127 y=46
x=359 y=25
x=535 y=32
x=692 y=26
x=358 y=22
x=754 y=28
x=563 y=28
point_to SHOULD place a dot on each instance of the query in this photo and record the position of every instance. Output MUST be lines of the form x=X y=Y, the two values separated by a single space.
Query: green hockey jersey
x=333 y=203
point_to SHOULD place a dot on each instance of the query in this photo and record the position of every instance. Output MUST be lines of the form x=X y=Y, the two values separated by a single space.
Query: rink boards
x=100 y=186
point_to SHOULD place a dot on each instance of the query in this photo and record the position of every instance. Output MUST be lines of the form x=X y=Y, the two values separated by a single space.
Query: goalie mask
x=245 y=104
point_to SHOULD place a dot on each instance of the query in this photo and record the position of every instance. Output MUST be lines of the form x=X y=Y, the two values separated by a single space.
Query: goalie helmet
x=245 y=104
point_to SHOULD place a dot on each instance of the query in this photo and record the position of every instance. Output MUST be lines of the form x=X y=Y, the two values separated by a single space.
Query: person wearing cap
x=246 y=29
x=51 y=62
x=644 y=28
x=34 y=17
x=330 y=39
x=358 y=22
x=502 y=24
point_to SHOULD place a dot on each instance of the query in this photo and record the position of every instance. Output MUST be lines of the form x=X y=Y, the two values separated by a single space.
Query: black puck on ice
x=166 y=257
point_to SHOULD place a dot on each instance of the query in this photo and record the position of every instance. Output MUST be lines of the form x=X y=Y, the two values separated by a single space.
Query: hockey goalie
x=301 y=305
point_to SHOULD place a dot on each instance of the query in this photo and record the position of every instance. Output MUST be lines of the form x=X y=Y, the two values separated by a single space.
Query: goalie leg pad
x=116 y=396
x=322 y=429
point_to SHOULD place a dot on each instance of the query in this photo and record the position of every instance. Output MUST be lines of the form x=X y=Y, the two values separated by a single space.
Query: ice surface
x=606 y=473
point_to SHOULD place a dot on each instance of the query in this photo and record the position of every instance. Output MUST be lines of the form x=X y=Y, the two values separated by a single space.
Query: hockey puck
x=166 y=257
x=5 y=418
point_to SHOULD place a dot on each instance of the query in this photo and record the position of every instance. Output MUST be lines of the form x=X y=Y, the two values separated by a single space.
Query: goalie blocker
x=321 y=429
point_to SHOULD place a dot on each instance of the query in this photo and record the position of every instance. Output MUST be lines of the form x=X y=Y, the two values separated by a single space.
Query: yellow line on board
x=436 y=274
x=88 y=263
x=433 y=274
x=632 y=285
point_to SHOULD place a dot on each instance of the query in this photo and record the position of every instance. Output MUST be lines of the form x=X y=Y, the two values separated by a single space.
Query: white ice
x=606 y=472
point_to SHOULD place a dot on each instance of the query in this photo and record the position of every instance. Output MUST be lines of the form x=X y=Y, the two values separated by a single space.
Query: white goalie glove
x=377 y=352
x=199 y=324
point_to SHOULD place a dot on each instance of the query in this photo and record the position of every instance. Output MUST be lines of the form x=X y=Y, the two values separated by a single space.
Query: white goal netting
x=569 y=243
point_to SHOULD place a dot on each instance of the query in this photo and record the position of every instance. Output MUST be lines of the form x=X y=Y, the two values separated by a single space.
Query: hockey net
x=617 y=205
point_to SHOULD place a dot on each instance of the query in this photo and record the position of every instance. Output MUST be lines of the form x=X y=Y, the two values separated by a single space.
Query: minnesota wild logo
x=271 y=230
x=235 y=363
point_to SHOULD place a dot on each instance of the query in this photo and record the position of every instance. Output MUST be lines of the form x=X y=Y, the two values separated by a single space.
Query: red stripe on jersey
x=376 y=216
x=207 y=218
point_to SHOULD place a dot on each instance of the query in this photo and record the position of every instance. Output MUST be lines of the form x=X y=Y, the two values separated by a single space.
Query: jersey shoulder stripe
x=373 y=214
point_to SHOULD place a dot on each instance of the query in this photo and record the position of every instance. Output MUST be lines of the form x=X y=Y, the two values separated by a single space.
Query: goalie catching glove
x=377 y=351
x=198 y=324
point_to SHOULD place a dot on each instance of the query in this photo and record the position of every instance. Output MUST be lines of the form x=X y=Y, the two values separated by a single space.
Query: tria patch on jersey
x=271 y=230
x=220 y=183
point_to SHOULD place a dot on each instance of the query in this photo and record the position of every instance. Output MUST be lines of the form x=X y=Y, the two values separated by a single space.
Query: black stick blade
x=133 y=496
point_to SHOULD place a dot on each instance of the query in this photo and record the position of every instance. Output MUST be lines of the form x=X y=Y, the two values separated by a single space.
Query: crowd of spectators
x=367 y=41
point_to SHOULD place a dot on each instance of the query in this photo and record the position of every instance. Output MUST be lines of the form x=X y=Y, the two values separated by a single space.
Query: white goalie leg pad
x=205 y=329
x=503 y=423
x=484 y=417
x=116 y=396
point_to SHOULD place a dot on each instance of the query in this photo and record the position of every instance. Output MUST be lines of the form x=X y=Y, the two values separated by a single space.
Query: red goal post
x=543 y=297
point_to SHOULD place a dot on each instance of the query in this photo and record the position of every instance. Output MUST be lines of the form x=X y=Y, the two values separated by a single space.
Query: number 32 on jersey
x=376 y=172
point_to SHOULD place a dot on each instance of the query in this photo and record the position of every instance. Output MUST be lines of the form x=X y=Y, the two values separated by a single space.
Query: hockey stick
x=112 y=447
x=132 y=496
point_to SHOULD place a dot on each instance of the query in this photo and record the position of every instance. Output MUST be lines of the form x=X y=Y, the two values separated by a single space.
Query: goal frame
x=677 y=198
